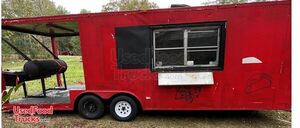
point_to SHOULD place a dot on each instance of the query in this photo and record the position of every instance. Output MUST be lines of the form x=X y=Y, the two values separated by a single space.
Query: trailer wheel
x=90 y=107
x=123 y=108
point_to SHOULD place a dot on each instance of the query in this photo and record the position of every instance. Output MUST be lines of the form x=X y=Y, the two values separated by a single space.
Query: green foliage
x=6 y=95
x=30 y=8
x=63 y=43
x=75 y=42
x=82 y=11
x=26 y=44
x=71 y=44
x=60 y=10
x=126 y=5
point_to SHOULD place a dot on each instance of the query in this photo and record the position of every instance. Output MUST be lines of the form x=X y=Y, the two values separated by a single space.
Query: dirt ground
x=170 y=119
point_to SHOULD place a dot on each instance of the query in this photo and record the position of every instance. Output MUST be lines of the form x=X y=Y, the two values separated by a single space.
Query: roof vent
x=179 y=5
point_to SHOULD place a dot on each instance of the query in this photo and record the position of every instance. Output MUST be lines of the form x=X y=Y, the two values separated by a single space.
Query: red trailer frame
x=253 y=71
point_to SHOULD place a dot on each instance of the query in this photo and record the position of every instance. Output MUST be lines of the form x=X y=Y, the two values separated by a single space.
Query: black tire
x=90 y=107
x=128 y=103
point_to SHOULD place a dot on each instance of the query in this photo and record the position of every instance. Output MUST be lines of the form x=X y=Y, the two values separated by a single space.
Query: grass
x=74 y=75
x=165 y=119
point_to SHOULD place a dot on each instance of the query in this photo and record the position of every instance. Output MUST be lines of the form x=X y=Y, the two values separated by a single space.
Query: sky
x=74 y=6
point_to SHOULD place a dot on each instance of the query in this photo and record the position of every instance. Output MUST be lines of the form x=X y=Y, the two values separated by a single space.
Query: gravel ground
x=170 y=119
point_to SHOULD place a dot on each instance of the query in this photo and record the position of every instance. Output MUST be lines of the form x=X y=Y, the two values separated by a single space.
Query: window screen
x=185 y=47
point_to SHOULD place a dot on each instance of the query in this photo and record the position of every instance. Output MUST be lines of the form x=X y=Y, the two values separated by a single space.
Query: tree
x=30 y=8
x=60 y=10
x=126 y=5
x=82 y=11
x=75 y=43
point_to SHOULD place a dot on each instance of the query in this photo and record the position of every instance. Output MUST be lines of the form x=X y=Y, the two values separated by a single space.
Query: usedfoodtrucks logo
x=28 y=114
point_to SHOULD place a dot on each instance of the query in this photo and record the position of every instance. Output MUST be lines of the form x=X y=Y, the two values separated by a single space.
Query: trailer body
x=255 y=72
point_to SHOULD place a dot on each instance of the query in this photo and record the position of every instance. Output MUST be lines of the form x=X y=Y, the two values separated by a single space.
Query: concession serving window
x=188 y=47
x=176 y=47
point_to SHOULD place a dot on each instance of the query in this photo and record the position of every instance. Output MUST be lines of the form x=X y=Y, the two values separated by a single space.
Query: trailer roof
x=67 y=25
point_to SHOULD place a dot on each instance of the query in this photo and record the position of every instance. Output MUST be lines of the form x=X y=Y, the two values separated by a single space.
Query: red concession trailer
x=225 y=57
